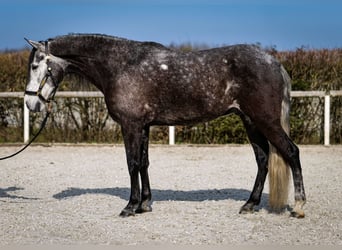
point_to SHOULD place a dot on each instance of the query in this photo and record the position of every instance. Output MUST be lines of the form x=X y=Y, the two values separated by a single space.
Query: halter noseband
x=44 y=80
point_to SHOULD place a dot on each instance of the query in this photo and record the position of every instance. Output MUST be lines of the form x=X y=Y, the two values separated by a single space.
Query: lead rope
x=33 y=138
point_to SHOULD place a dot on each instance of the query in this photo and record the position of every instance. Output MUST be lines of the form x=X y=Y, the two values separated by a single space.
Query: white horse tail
x=278 y=170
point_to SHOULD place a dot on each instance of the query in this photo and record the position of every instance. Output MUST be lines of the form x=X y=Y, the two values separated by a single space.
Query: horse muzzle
x=34 y=103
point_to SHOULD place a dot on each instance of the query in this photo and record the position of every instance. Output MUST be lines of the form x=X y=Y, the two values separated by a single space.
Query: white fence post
x=26 y=123
x=171 y=135
x=326 y=120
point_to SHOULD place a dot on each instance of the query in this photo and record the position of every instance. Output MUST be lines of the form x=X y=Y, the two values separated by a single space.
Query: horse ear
x=34 y=44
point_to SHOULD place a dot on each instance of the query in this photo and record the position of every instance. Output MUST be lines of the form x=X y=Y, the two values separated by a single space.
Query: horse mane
x=88 y=36
x=95 y=37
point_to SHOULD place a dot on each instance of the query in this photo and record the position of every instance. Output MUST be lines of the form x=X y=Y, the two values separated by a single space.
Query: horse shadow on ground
x=4 y=193
x=168 y=194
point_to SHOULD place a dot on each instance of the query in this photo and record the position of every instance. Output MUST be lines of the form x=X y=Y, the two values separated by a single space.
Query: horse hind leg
x=261 y=150
x=290 y=153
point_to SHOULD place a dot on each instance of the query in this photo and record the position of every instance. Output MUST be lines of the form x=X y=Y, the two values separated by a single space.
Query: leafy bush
x=314 y=70
x=13 y=70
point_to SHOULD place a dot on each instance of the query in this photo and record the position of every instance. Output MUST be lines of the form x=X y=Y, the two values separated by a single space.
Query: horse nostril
x=30 y=105
x=34 y=105
x=37 y=107
x=27 y=104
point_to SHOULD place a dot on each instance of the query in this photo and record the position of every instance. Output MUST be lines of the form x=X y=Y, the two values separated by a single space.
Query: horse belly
x=192 y=110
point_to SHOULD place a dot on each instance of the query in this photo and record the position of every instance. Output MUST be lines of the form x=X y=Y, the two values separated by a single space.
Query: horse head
x=46 y=71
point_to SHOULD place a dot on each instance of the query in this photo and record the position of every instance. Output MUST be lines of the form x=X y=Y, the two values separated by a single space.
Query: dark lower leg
x=145 y=203
x=290 y=154
x=134 y=198
x=255 y=197
x=132 y=135
x=300 y=197
x=261 y=151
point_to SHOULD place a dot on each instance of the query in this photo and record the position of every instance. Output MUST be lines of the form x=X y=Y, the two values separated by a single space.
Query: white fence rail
x=295 y=94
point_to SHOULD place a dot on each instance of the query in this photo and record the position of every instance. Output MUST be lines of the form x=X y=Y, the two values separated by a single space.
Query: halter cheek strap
x=41 y=86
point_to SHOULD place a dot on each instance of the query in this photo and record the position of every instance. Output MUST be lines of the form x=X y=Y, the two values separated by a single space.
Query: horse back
x=171 y=87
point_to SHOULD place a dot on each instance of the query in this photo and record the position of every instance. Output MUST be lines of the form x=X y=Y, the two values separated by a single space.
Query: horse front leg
x=132 y=135
x=146 y=196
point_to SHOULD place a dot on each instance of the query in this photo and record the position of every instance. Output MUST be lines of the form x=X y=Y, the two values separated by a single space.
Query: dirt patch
x=73 y=195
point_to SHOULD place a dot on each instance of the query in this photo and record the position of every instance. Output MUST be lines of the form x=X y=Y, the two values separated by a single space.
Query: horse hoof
x=126 y=213
x=299 y=214
x=143 y=209
x=248 y=208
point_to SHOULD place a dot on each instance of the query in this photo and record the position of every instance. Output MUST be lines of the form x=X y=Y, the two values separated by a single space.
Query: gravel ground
x=71 y=195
